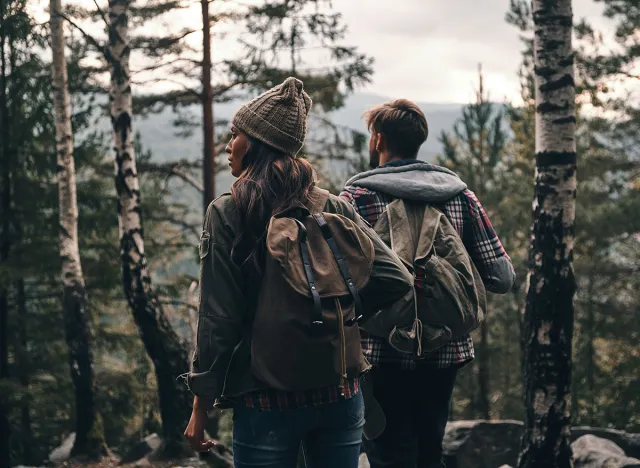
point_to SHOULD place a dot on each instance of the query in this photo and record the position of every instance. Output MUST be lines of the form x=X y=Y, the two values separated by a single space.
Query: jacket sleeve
x=222 y=307
x=390 y=279
x=486 y=250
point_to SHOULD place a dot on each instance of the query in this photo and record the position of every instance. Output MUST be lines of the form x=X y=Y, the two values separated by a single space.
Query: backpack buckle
x=352 y=321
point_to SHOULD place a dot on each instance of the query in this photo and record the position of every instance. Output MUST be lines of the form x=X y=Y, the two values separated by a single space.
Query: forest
x=99 y=233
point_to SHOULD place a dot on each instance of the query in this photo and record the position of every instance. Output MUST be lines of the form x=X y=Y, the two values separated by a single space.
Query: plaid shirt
x=278 y=400
x=468 y=217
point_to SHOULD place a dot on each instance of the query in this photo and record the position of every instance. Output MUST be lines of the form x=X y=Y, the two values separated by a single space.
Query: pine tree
x=610 y=193
x=475 y=151
x=5 y=241
x=276 y=30
x=608 y=167
x=39 y=393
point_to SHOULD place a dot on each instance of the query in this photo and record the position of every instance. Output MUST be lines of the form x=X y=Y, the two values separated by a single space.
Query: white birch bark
x=549 y=310
x=89 y=439
x=163 y=345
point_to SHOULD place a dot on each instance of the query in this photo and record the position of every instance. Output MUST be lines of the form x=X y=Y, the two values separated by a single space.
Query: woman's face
x=237 y=149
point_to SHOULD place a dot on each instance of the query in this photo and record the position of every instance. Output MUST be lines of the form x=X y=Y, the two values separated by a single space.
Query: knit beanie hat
x=277 y=117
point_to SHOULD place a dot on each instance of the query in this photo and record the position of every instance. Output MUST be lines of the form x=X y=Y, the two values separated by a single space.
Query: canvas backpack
x=450 y=298
x=304 y=332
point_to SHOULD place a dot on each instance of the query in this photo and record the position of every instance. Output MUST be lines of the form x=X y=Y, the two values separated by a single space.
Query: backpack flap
x=400 y=235
x=283 y=246
x=411 y=228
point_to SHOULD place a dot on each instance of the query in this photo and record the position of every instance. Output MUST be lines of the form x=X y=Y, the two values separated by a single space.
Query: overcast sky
x=425 y=50
x=429 y=50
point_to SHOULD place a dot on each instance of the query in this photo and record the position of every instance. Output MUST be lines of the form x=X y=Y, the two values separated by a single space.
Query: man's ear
x=380 y=142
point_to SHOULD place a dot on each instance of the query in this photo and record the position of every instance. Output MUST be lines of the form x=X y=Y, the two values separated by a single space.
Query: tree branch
x=102 y=49
x=101 y=13
x=187 y=178
x=169 y=80
x=177 y=302
x=174 y=169
x=178 y=222
x=166 y=64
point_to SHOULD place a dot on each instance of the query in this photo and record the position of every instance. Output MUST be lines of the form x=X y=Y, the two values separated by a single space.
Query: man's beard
x=374 y=158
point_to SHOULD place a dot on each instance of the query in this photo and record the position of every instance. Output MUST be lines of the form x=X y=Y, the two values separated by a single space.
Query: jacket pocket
x=205 y=241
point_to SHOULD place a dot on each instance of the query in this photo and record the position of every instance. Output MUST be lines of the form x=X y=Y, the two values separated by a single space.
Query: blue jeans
x=330 y=435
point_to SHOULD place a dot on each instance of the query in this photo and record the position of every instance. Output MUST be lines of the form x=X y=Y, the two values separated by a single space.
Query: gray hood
x=419 y=181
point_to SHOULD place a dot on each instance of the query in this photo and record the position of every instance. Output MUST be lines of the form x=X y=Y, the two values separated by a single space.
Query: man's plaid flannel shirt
x=470 y=220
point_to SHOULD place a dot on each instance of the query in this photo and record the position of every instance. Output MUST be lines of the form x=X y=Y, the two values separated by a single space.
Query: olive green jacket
x=221 y=363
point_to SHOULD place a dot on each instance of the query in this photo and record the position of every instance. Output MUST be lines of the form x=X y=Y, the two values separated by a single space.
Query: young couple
x=282 y=398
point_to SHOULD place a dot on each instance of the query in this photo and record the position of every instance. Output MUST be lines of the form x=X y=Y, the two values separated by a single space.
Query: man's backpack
x=305 y=333
x=450 y=296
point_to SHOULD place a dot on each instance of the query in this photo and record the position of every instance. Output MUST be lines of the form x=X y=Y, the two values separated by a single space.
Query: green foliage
x=607 y=247
x=477 y=151
x=39 y=388
x=492 y=148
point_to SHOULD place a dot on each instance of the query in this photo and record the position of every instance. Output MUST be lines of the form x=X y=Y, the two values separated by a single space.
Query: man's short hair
x=402 y=123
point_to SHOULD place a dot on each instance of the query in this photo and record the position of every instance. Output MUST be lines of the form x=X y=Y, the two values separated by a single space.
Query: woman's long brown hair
x=272 y=182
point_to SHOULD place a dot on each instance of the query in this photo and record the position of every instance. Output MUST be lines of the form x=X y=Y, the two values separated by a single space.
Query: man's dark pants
x=416 y=406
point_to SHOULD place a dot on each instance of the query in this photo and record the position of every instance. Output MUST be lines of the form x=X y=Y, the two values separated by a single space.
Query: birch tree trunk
x=89 y=440
x=549 y=309
x=5 y=206
x=168 y=354
x=209 y=157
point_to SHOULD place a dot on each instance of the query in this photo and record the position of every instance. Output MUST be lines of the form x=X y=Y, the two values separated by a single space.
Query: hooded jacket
x=221 y=365
x=423 y=182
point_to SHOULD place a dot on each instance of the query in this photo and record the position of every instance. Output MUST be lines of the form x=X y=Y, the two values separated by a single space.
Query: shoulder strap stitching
x=342 y=266
x=316 y=317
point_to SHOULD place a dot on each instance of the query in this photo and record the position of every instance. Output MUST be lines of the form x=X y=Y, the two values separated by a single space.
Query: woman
x=270 y=425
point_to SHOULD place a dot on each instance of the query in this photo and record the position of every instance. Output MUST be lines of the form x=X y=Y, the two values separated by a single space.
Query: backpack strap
x=342 y=266
x=316 y=317
x=318 y=200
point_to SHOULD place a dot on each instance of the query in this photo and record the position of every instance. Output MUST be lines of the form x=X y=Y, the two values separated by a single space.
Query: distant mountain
x=158 y=133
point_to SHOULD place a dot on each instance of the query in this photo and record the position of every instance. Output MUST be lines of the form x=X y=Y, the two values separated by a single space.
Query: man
x=414 y=394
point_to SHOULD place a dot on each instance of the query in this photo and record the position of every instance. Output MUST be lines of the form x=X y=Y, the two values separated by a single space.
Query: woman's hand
x=195 y=429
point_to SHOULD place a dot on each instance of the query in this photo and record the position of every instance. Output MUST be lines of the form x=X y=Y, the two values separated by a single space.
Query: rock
x=192 y=462
x=145 y=447
x=487 y=444
x=482 y=444
x=142 y=463
x=363 y=462
x=590 y=451
x=219 y=456
x=63 y=452
x=628 y=442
